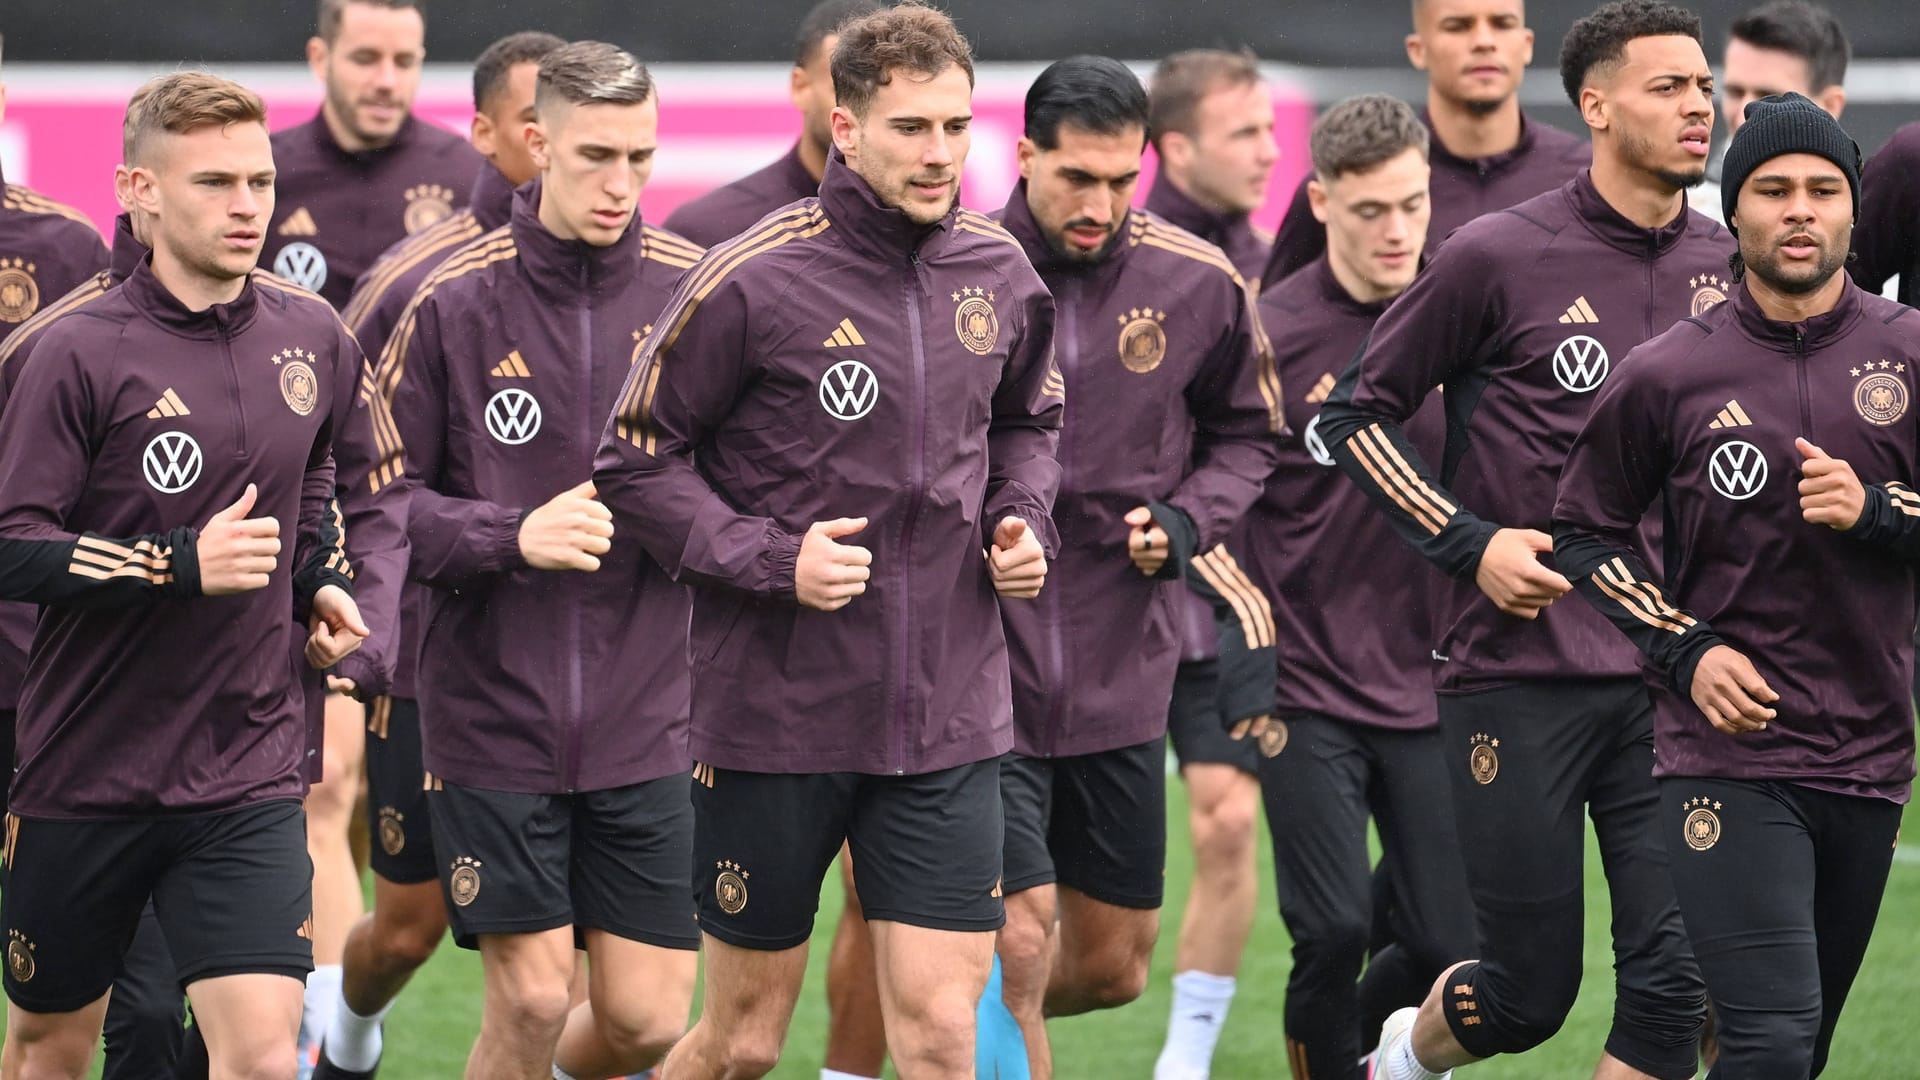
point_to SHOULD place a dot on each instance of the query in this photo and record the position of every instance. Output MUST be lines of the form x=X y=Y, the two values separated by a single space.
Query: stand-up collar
x=869 y=225
x=1336 y=294
x=1613 y=227
x=1214 y=226
x=1485 y=166
x=128 y=252
x=1017 y=218
x=1808 y=335
x=146 y=293
x=491 y=199
x=323 y=140
x=570 y=272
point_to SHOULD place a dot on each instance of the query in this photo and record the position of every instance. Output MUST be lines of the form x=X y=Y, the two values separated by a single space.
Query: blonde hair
x=182 y=102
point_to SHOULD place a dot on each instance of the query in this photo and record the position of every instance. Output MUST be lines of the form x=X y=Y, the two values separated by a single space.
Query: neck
x=1469 y=134
x=1790 y=307
x=1211 y=206
x=550 y=218
x=195 y=290
x=345 y=137
x=813 y=158
x=1638 y=195
x=1358 y=287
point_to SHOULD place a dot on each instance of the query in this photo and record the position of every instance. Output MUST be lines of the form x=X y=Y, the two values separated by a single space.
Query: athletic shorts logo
x=1143 y=344
x=20 y=963
x=465 y=882
x=1316 y=446
x=1273 y=738
x=1880 y=398
x=513 y=416
x=849 y=390
x=1708 y=290
x=1737 y=470
x=1484 y=759
x=297 y=383
x=730 y=888
x=171 y=462
x=302 y=264
x=19 y=293
x=1703 y=825
x=974 y=321
x=1581 y=364
x=393 y=832
x=426 y=204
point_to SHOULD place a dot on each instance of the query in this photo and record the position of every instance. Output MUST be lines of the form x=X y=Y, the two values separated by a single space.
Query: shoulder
x=470 y=265
x=292 y=143
x=1552 y=141
x=1702 y=229
x=307 y=311
x=770 y=251
x=666 y=246
x=1666 y=361
x=25 y=200
x=1297 y=292
x=1514 y=236
x=1177 y=250
x=406 y=264
x=81 y=325
x=28 y=333
x=1903 y=147
x=1898 y=318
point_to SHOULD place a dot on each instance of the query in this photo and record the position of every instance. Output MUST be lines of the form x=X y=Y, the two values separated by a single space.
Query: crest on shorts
x=19 y=957
x=19 y=292
x=1143 y=344
x=1708 y=290
x=297 y=383
x=426 y=204
x=1484 y=759
x=1703 y=825
x=1880 y=398
x=465 y=881
x=974 y=321
x=1273 y=738
x=393 y=830
x=730 y=888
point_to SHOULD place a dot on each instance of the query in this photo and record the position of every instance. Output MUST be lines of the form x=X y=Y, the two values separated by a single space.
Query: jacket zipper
x=239 y=410
x=575 y=721
x=1068 y=359
x=916 y=490
x=1800 y=374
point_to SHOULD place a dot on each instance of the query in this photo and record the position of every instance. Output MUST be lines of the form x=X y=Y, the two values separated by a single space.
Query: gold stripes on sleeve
x=1156 y=233
x=670 y=248
x=13 y=837
x=101 y=560
x=982 y=225
x=87 y=292
x=337 y=558
x=1904 y=499
x=1392 y=474
x=1055 y=385
x=1218 y=569
x=459 y=229
x=494 y=247
x=387 y=444
x=380 y=716
x=28 y=201
x=633 y=414
x=1642 y=599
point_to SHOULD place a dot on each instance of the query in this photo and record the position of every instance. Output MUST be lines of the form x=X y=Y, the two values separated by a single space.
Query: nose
x=620 y=181
x=1699 y=103
x=386 y=74
x=1482 y=36
x=939 y=150
x=1398 y=226
x=1268 y=150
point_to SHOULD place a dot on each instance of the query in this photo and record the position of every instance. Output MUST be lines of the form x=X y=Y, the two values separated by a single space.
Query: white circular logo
x=1580 y=363
x=171 y=462
x=303 y=265
x=1316 y=446
x=513 y=416
x=1737 y=470
x=849 y=391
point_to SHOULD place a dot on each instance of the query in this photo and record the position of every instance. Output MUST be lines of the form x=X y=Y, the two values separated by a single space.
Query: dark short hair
x=824 y=21
x=1600 y=40
x=333 y=12
x=1095 y=94
x=491 y=70
x=1805 y=30
x=1362 y=132
x=590 y=73
x=1184 y=79
x=911 y=37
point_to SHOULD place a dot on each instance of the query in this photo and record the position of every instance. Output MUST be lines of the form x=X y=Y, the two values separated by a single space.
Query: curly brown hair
x=912 y=37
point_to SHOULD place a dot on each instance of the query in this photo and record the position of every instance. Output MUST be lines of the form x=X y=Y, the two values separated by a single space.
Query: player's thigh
x=250 y=1021
x=1108 y=834
x=343 y=749
x=927 y=848
x=762 y=846
x=1196 y=729
x=929 y=977
x=237 y=896
x=72 y=902
x=399 y=816
x=1854 y=852
x=505 y=859
x=640 y=987
x=1315 y=792
x=632 y=872
x=1413 y=810
x=1026 y=799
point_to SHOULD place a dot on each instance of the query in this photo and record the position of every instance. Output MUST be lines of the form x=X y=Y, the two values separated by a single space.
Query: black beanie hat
x=1786 y=124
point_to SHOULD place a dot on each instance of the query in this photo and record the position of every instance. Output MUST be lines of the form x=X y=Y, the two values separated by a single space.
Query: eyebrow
x=1777 y=178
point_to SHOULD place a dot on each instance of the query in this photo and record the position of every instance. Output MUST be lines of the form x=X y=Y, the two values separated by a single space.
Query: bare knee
x=407 y=938
x=1113 y=978
x=1224 y=828
x=936 y=1035
x=640 y=1032
x=267 y=1062
x=1025 y=945
x=528 y=1005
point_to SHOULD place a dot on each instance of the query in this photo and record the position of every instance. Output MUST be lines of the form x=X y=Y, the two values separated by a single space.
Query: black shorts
x=1195 y=726
x=398 y=817
x=1096 y=823
x=616 y=860
x=926 y=850
x=233 y=892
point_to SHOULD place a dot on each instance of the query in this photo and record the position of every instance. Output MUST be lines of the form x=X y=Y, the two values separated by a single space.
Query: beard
x=1483 y=106
x=346 y=110
x=1639 y=153
x=1056 y=240
x=1763 y=261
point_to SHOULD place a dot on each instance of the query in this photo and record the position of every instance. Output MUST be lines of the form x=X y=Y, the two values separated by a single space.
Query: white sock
x=322 y=994
x=1200 y=1003
x=561 y=1074
x=835 y=1074
x=353 y=1041
x=1402 y=1065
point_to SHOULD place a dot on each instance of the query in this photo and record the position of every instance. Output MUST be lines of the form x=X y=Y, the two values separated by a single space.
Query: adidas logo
x=299 y=223
x=844 y=336
x=1731 y=417
x=513 y=367
x=1320 y=390
x=1580 y=312
x=305 y=929
x=168 y=405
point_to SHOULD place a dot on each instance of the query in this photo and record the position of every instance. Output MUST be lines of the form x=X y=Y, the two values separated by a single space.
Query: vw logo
x=513 y=416
x=848 y=391
x=1580 y=363
x=171 y=462
x=303 y=265
x=1316 y=446
x=1737 y=470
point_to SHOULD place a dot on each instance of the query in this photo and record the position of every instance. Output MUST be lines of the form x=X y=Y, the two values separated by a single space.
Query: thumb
x=241 y=507
x=1536 y=540
x=1010 y=531
x=353 y=621
x=839 y=527
x=584 y=491
x=1138 y=516
x=1810 y=451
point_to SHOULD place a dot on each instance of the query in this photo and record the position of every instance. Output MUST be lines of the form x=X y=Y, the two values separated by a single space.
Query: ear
x=1527 y=59
x=1833 y=99
x=1176 y=150
x=845 y=129
x=798 y=84
x=143 y=190
x=123 y=187
x=317 y=58
x=537 y=145
x=481 y=134
x=1416 y=52
x=1593 y=108
x=1317 y=201
x=3 y=102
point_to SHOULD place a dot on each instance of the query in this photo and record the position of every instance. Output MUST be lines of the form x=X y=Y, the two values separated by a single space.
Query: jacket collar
x=146 y=293
x=324 y=141
x=128 y=252
x=1810 y=335
x=867 y=224
x=1336 y=294
x=491 y=199
x=1485 y=166
x=1215 y=227
x=1017 y=217
x=1611 y=226
x=569 y=273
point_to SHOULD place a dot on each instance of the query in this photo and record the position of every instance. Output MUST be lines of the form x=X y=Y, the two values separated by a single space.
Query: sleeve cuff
x=783 y=551
x=1183 y=538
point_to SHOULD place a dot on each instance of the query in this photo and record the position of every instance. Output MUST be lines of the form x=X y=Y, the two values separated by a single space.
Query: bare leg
x=930 y=986
x=250 y=1023
x=745 y=1008
x=1026 y=945
x=1102 y=956
x=525 y=1006
x=638 y=998
x=51 y=1046
x=856 y=1037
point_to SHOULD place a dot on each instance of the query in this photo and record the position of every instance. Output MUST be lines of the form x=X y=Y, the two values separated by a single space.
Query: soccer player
x=248 y=386
x=1356 y=734
x=1159 y=346
x=842 y=432
x=46 y=250
x=726 y=211
x=1783 y=730
x=559 y=802
x=1487 y=154
x=1212 y=130
x=1886 y=244
x=387 y=945
x=1520 y=317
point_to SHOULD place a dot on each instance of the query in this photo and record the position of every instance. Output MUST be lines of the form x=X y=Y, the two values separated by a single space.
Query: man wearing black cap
x=1784 y=750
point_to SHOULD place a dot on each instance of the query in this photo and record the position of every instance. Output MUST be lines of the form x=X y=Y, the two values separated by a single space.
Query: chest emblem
x=844 y=336
x=1580 y=364
x=1730 y=416
x=1878 y=397
x=171 y=462
x=974 y=320
x=426 y=204
x=1708 y=290
x=297 y=382
x=1579 y=312
x=513 y=416
x=1737 y=470
x=19 y=292
x=1143 y=344
x=302 y=264
x=849 y=390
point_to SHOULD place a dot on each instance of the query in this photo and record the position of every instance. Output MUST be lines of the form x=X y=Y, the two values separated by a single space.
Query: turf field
x=432 y=1026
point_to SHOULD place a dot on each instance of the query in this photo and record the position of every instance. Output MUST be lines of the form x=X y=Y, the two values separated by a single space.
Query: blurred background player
x=1487 y=154
x=46 y=250
x=409 y=918
x=726 y=211
x=1157 y=341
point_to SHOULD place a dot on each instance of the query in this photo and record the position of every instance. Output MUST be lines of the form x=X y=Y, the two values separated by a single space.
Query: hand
x=1017 y=562
x=570 y=532
x=334 y=629
x=1731 y=692
x=347 y=687
x=1512 y=576
x=1830 y=494
x=827 y=575
x=1254 y=727
x=237 y=553
x=1147 y=543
